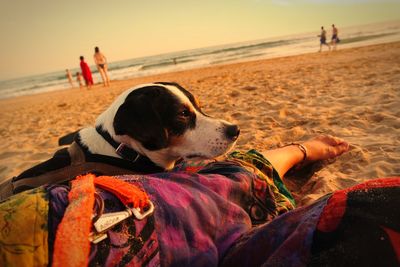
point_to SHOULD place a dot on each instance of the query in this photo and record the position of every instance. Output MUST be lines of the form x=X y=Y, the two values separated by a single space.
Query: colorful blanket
x=23 y=229
x=235 y=212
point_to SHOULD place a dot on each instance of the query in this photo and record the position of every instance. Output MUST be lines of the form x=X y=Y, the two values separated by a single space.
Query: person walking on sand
x=335 y=37
x=101 y=63
x=69 y=77
x=86 y=73
x=323 y=39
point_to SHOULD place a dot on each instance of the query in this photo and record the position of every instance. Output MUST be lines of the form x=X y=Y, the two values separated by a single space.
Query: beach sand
x=351 y=93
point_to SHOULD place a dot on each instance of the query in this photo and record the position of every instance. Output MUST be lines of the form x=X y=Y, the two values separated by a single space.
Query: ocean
x=223 y=54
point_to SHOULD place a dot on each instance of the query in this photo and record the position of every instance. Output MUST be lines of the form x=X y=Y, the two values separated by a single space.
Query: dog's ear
x=139 y=117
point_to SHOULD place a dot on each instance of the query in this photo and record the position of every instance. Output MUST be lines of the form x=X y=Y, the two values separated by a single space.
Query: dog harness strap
x=67 y=173
x=76 y=153
x=71 y=246
x=79 y=165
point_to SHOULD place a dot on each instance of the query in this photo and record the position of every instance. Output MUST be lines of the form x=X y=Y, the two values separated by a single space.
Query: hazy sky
x=39 y=36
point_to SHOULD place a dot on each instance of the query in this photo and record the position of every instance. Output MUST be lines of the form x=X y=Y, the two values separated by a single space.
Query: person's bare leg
x=106 y=75
x=101 y=71
x=318 y=148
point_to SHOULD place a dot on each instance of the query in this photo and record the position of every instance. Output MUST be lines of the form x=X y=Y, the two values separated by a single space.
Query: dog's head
x=165 y=122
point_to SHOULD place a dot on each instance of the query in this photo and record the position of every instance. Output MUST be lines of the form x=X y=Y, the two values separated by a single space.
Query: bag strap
x=67 y=173
x=78 y=166
x=76 y=153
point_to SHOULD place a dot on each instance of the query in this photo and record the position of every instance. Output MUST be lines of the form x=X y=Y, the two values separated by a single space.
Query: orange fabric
x=129 y=194
x=72 y=246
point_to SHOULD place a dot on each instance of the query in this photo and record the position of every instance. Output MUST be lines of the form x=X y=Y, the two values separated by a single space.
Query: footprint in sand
x=376 y=118
x=234 y=94
x=237 y=115
x=249 y=88
x=62 y=105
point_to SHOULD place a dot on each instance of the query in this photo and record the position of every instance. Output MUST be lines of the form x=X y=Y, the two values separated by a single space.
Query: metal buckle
x=109 y=220
x=141 y=216
x=120 y=151
x=97 y=238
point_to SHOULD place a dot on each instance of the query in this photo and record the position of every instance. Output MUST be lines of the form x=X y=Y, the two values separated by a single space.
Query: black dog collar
x=127 y=153
x=120 y=148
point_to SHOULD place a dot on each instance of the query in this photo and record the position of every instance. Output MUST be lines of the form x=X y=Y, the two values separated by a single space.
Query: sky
x=40 y=36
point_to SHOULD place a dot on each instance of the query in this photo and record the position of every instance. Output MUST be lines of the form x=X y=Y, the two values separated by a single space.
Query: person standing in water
x=101 y=63
x=323 y=39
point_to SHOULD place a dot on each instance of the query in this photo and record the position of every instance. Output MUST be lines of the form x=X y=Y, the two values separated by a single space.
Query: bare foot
x=325 y=147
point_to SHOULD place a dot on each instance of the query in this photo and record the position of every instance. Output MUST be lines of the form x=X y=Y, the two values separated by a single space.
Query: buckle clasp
x=109 y=220
x=127 y=153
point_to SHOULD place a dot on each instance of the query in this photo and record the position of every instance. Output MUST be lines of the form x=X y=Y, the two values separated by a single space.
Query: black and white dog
x=145 y=130
x=161 y=121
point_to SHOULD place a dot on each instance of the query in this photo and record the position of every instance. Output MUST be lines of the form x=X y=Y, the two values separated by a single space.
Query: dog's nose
x=232 y=132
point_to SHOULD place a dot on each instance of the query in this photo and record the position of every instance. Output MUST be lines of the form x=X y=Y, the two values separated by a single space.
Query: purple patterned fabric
x=285 y=241
x=198 y=216
x=212 y=217
x=191 y=208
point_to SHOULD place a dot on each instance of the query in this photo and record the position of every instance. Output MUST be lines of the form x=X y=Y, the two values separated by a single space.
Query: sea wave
x=272 y=47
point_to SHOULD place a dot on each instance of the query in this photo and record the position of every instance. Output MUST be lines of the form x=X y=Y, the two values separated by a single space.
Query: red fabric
x=86 y=73
x=336 y=207
x=129 y=194
x=193 y=169
x=333 y=212
x=72 y=246
x=395 y=239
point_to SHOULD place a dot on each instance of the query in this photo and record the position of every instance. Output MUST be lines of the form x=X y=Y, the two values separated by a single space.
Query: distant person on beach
x=101 y=63
x=79 y=79
x=335 y=37
x=69 y=77
x=86 y=73
x=323 y=39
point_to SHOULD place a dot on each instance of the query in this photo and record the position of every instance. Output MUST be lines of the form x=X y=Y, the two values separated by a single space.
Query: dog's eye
x=185 y=113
